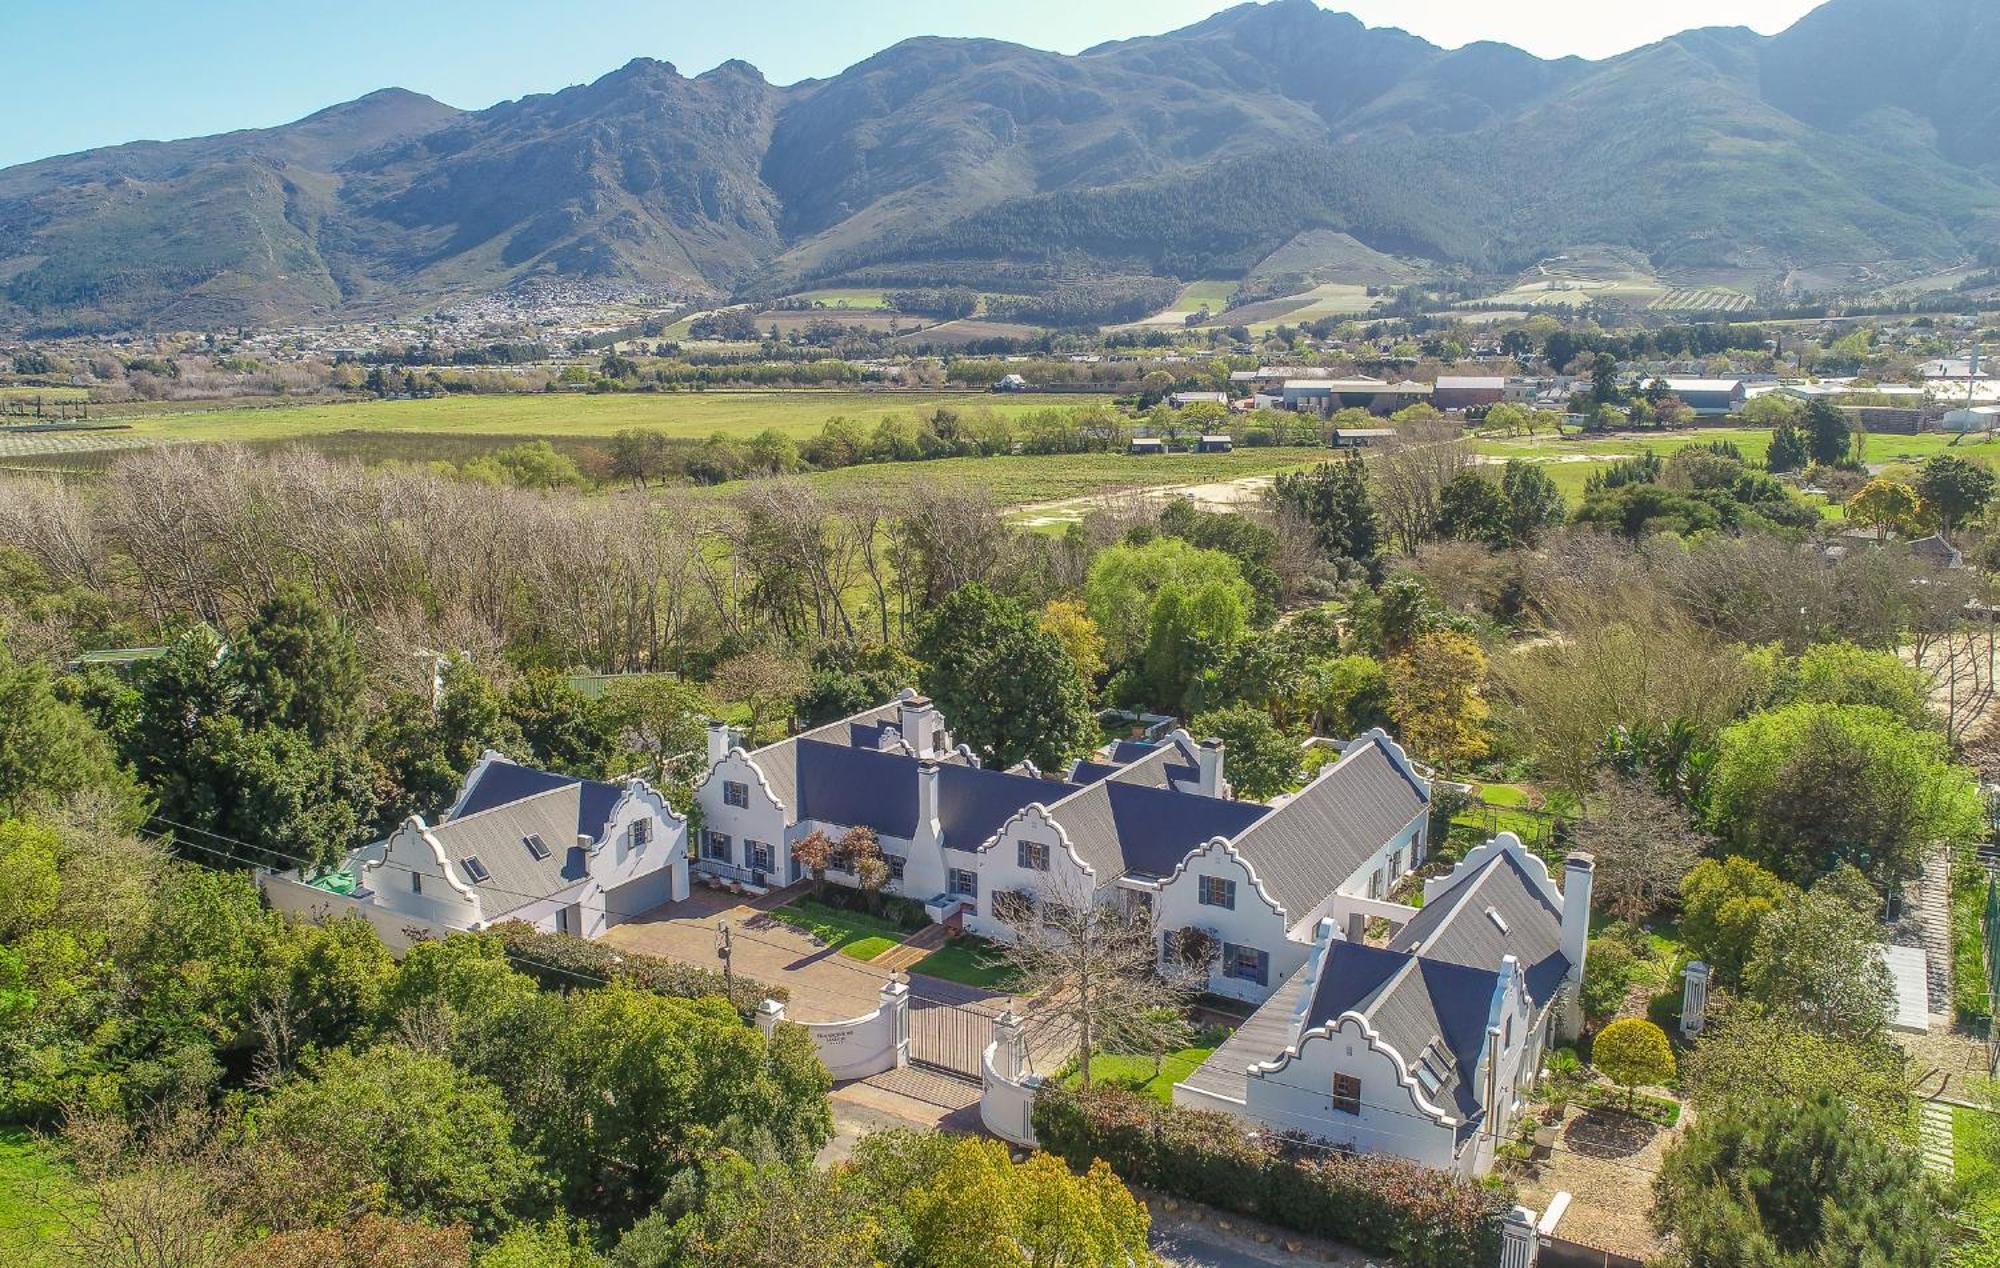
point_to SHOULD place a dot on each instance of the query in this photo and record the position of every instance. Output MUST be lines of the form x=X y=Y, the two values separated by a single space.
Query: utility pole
x=722 y=951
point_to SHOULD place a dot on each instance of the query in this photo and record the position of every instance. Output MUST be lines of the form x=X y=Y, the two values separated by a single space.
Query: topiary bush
x=1384 y=1205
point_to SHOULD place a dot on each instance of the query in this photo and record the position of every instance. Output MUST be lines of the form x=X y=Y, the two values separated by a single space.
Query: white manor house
x=1420 y=1048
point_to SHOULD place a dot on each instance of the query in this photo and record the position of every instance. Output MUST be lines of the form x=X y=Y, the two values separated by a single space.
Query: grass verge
x=970 y=961
x=854 y=934
x=34 y=1189
x=1135 y=1073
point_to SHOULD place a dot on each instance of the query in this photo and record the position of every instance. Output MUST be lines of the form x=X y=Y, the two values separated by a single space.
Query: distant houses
x=1708 y=398
x=1462 y=391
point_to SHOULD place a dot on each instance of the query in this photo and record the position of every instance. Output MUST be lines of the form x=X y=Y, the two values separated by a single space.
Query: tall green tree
x=1259 y=760
x=1333 y=498
x=298 y=668
x=1777 y=1184
x=1008 y=686
x=1953 y=490
x=1828 y=433
x=1808 y=787
x=49 y=749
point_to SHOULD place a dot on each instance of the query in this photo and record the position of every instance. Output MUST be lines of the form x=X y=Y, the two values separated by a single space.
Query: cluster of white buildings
x=1421 y=1046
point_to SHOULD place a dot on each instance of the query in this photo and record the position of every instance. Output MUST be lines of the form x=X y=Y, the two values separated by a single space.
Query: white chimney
x=920 y=725
x=718 y=742
x=928 y=780
x=1579 y=869
x=1209 y=756
x=583 y=844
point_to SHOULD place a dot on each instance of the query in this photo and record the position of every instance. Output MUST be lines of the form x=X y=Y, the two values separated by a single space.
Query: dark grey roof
x=502 y=783
x=497 y=838
x=1306 y=848
x=779 y=761
x=974 y=803
x=856 y=786
x=1412 y=1001
x=1455 y=926
x=1086 y=772
x=1158 y=765
x=1118 y=827
x=852 y=786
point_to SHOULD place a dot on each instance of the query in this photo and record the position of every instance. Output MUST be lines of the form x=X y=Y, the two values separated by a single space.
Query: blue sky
x=84 y=73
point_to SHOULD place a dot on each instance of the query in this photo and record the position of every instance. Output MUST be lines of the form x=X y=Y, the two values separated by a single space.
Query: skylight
x=536 y=846
x=475 y=869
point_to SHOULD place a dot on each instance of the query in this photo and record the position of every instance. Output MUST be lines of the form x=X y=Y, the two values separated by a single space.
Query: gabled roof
x=779 y=761
x=861 y=786
x=1118 y=826
x=1415 y=1005
x=500 y=782
x=1307 y=848
x=497 y=836
x=1458 y=926
x=1158 y=765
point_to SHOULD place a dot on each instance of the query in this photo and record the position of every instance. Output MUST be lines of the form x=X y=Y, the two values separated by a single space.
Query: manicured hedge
x=561 y=961
x=1383 y=1205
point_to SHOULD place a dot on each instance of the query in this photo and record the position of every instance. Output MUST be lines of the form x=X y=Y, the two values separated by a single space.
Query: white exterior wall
x=1412 y=841
x=398 y=931
x=1295 y=1093
x=1000 y=870
x=1256 y=920
x=762 y=820
x=387 y=867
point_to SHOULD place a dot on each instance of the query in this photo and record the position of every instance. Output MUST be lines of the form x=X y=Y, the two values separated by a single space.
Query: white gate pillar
x=1010 y=1054
x=769 y=1014
x=1518 y=1242
x=1694 y=999
x=895 y=1002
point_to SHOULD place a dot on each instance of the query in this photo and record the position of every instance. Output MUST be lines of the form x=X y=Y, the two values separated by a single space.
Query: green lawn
x=684 y=414
x=1210 y=293
x=34 y=1188
x=969 y=961
x=854 y=934
x=1136 y=1072
x=1978 y=1182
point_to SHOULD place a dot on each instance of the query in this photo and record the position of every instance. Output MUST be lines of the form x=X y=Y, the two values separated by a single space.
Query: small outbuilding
x=1147 y=444
x=1214 y=444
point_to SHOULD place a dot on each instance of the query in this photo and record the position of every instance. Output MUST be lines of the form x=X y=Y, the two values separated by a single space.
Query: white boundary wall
x=860 y=1046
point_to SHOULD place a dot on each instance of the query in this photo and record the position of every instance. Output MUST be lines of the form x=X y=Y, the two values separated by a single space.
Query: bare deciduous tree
x=1097 y=969
x=1643 y=843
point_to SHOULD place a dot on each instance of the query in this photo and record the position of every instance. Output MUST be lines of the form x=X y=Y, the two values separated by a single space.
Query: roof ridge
x=569 y=784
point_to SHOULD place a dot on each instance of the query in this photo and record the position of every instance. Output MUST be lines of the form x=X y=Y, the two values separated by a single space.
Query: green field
x=1031 y=479
x=1211 y=293
x=34 y=1190
x=1571 y=461
x=844 y=297
x=695 y=415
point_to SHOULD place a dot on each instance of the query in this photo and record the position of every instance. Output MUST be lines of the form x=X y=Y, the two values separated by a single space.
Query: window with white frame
x=642 y=832
x=760 y=854
x=896 y=864
x=1375 y=883
x=963 y=882
x=716 y=846
x=735 y=794
x=1032 y=855
x=1396 y=863
x=1214 y=891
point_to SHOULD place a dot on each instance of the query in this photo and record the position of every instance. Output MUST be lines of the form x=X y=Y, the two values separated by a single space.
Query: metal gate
x=949 y=1039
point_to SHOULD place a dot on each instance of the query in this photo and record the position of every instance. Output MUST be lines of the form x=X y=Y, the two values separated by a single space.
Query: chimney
x=928 y=780
x=718 y=742
x=583 y=844
x=918 y=720
x=1209 y=755
x=1579 y=869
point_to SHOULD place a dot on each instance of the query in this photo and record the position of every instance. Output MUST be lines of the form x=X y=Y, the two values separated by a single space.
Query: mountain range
x=1858 y=146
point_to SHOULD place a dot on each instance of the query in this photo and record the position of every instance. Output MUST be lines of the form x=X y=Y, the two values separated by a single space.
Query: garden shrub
x=561 y=961
x=1968 y=949
x=1379 y=1204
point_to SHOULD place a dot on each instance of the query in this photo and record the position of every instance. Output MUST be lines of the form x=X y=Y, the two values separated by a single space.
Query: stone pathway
x=1934 y=1137
x=1933 y=901
x=912 y=949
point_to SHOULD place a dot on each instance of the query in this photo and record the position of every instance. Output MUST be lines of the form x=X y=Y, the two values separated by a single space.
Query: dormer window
x=538 y=849
x=475 y=869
